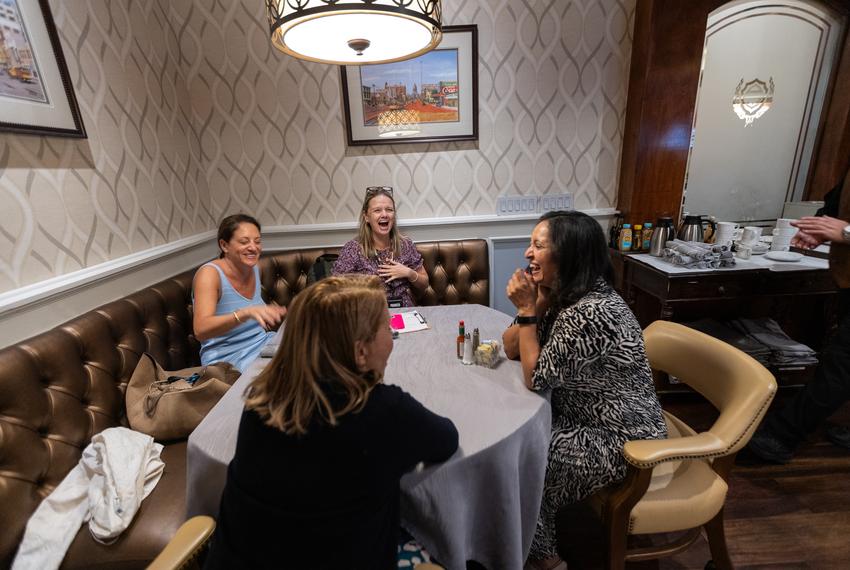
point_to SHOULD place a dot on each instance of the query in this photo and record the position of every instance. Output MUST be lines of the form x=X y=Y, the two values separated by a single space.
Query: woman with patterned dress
x=380 y=249
x=230 y=319
x=576 y=336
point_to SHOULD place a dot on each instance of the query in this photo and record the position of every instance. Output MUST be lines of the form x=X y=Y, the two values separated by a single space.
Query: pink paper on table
x=397 y=321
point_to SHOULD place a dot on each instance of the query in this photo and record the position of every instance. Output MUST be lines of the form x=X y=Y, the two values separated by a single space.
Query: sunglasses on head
x=372 y=190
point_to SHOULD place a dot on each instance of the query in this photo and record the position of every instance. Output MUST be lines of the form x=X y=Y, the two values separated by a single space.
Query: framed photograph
x=36 y=95
x=430 y=98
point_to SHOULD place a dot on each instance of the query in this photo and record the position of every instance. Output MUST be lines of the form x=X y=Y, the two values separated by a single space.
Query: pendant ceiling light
x=354 y=32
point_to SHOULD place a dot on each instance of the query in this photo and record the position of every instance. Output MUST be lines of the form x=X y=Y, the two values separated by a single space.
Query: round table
x=482 y=504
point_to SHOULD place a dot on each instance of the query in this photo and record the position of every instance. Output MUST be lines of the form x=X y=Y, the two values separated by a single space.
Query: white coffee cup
x=743 y=252
x=725 y=232
x=780 y=244
x=784 y=223
x=751 y=234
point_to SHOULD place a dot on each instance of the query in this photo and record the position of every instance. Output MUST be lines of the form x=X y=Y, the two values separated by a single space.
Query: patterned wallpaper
x=135 y=182
x=191 y=115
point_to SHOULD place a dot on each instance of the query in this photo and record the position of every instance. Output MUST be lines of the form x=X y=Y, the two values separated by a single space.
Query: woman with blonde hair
x=323 y=443
x=380 y=249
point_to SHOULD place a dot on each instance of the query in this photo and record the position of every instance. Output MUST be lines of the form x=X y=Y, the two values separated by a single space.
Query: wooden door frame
x=669 y=36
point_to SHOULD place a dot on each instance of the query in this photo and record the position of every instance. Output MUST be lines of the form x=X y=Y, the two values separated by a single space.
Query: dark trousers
x=829 y=389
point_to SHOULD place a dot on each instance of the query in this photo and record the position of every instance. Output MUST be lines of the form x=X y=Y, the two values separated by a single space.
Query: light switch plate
x=516 y=205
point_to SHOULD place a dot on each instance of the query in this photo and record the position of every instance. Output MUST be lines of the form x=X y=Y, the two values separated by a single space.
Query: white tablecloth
x=482 y=504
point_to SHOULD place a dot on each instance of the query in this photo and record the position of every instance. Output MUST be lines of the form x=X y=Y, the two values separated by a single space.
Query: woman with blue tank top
x=230 y=318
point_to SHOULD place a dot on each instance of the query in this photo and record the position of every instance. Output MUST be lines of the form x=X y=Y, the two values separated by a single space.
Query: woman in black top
x=322 y=443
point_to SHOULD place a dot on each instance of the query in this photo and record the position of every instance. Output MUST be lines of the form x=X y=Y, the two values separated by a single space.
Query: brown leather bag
x=170 y=404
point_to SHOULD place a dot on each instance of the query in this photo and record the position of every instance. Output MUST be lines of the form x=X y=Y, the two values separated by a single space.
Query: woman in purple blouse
x=380 y=249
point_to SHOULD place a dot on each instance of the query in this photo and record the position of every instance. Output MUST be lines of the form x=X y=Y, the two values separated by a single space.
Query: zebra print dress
x=593 y=359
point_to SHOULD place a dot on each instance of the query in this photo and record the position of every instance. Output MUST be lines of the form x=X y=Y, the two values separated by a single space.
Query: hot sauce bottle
x=460 y=339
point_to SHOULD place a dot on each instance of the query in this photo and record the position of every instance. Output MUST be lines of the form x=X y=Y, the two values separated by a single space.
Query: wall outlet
x=551 y=202
x=516 y=205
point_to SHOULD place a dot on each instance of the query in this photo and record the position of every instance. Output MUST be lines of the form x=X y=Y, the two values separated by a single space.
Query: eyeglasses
x=372 y=190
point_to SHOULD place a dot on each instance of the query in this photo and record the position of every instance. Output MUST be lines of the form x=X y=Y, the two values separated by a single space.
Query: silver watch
x=845 y=234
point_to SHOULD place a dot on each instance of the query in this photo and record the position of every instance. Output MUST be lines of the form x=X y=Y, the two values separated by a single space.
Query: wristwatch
x=529 y=320
x=845 y=234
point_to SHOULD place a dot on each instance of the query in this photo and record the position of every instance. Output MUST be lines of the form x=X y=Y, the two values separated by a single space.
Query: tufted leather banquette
x=60 y=388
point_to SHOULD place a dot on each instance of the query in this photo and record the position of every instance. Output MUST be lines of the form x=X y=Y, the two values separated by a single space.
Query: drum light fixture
x=355 y=32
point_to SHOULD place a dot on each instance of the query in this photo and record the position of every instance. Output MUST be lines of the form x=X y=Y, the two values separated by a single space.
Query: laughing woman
x=576 y=336
x=230 y=319
x=380 y=249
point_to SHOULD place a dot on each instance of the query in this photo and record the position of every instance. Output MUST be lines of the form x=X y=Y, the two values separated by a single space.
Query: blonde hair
x=317 y=355
x=364 y=234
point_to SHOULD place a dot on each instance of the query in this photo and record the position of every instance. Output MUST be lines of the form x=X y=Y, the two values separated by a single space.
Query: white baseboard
x=36 y=308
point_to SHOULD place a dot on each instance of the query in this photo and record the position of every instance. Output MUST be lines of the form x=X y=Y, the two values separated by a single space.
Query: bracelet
x=529 y=320
x=417 y=277
x=236 y=316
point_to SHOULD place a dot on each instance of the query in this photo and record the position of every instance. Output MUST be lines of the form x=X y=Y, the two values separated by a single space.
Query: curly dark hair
x=581 y=252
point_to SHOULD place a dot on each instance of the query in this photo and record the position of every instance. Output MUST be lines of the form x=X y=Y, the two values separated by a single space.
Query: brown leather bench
x=60 y=388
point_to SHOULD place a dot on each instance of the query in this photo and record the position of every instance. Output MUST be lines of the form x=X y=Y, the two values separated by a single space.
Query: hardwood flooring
x=794 y=516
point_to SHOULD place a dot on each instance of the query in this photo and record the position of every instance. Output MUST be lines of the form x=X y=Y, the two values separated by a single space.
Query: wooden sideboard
x=802 y=302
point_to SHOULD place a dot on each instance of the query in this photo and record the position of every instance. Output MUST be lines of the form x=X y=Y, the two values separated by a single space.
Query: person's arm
x=523 y=293
x=529 y=351
x=421 y=434
x=418 y=278
x=206 y=324
x=510 y=338
x=815 y=230
x=510 y=341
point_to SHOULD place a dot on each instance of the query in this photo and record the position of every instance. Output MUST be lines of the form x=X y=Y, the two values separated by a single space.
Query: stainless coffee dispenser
x=661 y=234
x=691 y=229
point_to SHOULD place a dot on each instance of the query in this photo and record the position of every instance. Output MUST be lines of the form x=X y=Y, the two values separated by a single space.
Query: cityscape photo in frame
x=430 y=98
x=36 y=95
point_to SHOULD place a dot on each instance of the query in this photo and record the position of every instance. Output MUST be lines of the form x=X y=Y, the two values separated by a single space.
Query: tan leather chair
x=680 y=483
x=190 y=541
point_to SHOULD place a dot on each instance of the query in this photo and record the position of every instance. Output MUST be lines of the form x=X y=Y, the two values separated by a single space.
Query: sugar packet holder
x=487 y=353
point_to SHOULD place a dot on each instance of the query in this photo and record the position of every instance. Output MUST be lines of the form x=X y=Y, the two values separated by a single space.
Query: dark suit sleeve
x=421 y=435
x=830 y=203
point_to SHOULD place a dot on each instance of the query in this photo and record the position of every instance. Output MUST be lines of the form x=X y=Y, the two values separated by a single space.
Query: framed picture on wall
x=36 y=95
x=430 y=98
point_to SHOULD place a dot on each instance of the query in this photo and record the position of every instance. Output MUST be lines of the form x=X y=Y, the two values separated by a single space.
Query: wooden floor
x=778 y=516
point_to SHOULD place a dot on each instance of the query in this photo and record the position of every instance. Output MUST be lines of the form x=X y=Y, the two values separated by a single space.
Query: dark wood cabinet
x=802 y=302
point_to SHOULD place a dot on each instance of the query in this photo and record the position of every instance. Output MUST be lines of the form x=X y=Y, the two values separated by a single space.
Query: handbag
x=170 y=404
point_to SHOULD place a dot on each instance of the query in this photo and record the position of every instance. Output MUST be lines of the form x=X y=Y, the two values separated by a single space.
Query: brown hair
x=317 y=355
x=364 y=234
x=229 y=225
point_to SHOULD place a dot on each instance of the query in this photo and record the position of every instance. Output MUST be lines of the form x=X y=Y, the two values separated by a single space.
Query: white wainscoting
x=36 y=308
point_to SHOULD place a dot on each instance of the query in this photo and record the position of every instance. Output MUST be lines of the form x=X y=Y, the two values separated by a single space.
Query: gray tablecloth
x=482 y=504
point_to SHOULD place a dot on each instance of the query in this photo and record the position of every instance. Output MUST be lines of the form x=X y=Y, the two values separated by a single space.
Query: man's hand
x=817 y=230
